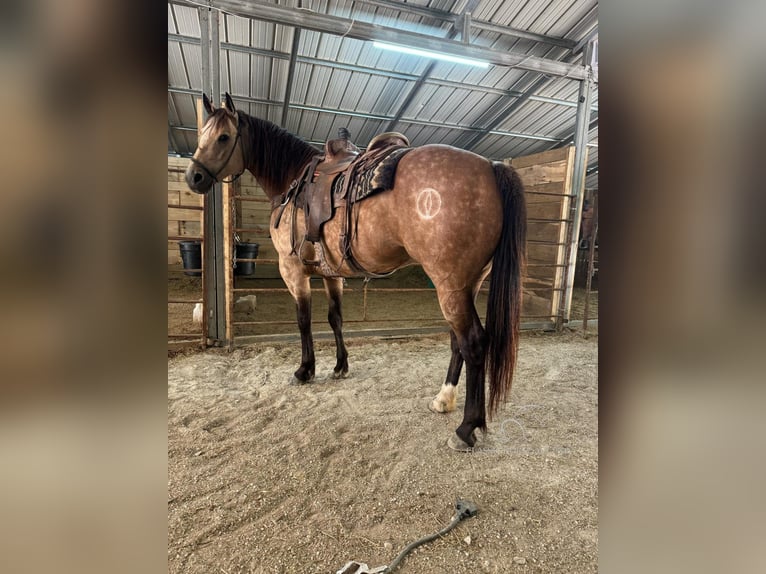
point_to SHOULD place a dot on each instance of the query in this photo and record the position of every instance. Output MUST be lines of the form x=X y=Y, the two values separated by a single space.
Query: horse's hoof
x=438 y=407
x=458 y=444
x=339 y=374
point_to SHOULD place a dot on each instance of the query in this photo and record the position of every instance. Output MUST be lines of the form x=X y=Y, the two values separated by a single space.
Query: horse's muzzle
x=197 y=180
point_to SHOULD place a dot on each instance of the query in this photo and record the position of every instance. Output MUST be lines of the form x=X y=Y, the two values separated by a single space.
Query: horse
x=457 y=214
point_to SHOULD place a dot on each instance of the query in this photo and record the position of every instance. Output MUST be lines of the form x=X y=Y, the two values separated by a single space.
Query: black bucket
x=246 y=251
x=191 y=255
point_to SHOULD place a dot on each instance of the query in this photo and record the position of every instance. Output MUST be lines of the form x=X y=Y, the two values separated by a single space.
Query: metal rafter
x=512 y=106
x=290 y=74
x=455 y=28
x=478 y=24
x=568 y=140
x=506 y=110
x=374 y=71
x=585 y=41
x=362 y=115
x=352 y=28
x=172 y=138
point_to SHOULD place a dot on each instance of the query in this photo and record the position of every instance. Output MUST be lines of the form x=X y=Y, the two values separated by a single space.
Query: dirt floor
x=268 y=477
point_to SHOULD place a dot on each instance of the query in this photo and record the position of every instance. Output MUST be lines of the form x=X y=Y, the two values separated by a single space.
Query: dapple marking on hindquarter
x=473 y=225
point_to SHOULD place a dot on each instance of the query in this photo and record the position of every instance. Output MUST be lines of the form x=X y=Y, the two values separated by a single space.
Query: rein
x=214 y=176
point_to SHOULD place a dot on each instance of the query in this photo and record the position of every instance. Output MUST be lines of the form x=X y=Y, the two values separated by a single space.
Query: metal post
x=584 y=99
x=591 y=266
x=215 y=58
x=290 y=75
x=213 y=256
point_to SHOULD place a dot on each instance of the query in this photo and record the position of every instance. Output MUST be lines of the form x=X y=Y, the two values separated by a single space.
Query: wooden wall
x=181 y=222
x=547 y=178
x=253 y=215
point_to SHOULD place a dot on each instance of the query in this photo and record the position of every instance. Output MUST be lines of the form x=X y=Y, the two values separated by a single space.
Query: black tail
x=504 y=304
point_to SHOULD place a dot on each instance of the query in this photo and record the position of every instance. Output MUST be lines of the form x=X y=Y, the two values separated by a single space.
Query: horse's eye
x=223 y=137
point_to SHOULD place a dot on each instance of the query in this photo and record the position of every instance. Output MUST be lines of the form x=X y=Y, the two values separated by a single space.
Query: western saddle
x=315 y=188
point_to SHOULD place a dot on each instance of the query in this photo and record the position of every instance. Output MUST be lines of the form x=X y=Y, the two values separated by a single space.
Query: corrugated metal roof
x=341 y=81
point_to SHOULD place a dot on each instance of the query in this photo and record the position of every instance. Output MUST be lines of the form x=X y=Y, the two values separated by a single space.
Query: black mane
x=273 y=155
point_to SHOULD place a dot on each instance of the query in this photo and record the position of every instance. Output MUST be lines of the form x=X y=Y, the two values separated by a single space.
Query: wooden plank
x=537 y=174
x=537 y=231
x=184 y=214
x=553 y=155
x=253 y=207
x=227 y=191
x=252 y=218
x=256 y=197
x=562 y=250
x=173 y=198
x=190 y=228
x=261 y=230
x=178 y=186
x=173 y=228
x=533 y=189
x=266 y=249
x=178 y=162
x=548 y=210
x=190 y=198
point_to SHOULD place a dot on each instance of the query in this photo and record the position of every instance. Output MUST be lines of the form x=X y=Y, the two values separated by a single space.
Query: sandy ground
x=268 y=477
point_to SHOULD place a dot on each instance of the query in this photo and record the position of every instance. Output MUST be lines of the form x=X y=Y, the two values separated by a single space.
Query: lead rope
x=463 y=509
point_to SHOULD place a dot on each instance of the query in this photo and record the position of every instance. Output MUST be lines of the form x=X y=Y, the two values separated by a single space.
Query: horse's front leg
x=334 y=289
x=297 y=281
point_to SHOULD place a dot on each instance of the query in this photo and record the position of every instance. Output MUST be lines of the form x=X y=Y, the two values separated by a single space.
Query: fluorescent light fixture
x=427 y=54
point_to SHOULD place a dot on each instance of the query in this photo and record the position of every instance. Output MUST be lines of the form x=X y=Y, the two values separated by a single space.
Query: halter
x=214 y=176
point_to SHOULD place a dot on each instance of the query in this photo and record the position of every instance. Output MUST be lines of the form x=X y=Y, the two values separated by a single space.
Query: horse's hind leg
x=446 y=400
x=334 y=289
x=459 y=311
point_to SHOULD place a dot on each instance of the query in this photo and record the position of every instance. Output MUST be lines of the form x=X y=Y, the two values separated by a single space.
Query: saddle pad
x=378 y=177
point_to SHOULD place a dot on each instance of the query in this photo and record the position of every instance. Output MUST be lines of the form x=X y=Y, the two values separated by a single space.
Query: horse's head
x=215 y=157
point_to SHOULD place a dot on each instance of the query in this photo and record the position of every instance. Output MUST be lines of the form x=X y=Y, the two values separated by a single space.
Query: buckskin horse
x=457 y=214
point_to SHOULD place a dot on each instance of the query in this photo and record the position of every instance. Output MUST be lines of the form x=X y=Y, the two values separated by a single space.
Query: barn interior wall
x=181 y=222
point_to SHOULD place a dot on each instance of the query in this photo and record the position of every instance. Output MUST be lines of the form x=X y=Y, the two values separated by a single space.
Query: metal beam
x=578 y=182
x=204 y=24
x=480 y=24
x=513 y=106
x=362 y=115
x=290 y=74
x=568 y=140
x=215 y=57
x=585 y=41
x=375 y=71
x=351 y=28
x=172 y=138
x=502 y=115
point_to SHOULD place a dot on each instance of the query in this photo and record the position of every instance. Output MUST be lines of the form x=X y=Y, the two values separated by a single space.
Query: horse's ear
x=228 y=103
x=208 y=104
